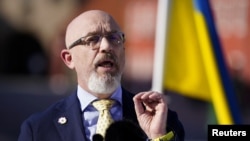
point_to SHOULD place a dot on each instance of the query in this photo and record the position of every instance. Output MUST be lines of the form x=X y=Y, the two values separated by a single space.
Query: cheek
x=81 y=62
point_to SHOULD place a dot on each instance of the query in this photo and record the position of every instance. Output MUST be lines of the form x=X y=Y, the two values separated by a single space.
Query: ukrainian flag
x=193 y=61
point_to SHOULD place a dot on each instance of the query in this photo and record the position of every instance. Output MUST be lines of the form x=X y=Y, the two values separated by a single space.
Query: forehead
x=90 y=22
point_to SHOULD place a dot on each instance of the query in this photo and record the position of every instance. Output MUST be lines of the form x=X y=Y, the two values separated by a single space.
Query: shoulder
x=48 y=114
x=41 y=116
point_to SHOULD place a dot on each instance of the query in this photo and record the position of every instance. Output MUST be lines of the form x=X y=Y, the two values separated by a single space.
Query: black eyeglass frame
x=83 y=42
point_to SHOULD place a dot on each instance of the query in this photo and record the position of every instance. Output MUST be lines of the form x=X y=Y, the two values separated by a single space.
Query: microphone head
x=97 y=137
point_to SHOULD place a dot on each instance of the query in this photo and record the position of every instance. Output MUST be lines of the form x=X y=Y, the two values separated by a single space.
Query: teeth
x=106 y=64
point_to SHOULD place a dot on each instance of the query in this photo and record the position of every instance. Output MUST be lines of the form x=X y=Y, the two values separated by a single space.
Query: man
x=95 y=50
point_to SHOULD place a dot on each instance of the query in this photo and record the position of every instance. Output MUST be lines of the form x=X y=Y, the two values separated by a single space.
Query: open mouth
x=106 y=64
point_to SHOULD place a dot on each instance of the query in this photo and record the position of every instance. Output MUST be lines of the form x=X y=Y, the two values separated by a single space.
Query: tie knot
x=103 y=104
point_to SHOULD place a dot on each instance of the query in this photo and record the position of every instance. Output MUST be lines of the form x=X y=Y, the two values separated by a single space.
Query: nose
x=105 y=45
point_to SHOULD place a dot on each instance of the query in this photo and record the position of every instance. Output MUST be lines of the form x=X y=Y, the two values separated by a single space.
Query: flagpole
x=160 y=44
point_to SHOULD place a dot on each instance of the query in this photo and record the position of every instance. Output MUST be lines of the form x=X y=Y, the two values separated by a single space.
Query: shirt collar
x=86 y=98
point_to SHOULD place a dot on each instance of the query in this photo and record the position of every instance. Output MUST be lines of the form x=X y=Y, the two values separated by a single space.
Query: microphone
x=97 y=137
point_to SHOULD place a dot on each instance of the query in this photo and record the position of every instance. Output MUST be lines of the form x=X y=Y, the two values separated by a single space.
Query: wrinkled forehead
x=90 y=22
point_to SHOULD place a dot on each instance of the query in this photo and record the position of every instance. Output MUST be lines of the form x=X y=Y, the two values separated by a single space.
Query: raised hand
x=151 y=110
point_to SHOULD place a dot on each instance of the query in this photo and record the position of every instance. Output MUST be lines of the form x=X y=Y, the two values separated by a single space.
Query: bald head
x=93 y=21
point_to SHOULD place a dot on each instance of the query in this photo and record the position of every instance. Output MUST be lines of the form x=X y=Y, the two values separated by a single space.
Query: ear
x=67 y=58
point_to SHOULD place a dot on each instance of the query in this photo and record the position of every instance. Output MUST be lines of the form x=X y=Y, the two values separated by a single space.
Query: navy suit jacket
x=45 y=126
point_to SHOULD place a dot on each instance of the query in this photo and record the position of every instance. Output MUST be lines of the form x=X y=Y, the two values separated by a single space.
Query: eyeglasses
x=93 y=41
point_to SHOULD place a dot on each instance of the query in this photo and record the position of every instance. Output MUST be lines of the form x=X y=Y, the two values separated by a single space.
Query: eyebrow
x=98 y=33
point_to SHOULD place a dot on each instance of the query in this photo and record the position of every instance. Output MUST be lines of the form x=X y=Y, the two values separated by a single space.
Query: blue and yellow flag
x=194 y=63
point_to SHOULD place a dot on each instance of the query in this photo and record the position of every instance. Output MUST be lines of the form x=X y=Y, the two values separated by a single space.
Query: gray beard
x=106 y=84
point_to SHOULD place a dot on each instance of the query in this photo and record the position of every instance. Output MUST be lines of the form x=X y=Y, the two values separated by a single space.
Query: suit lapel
x=68 y=120
x=128 y=106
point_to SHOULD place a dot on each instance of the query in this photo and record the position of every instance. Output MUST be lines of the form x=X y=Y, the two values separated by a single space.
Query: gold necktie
x=105 y=119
